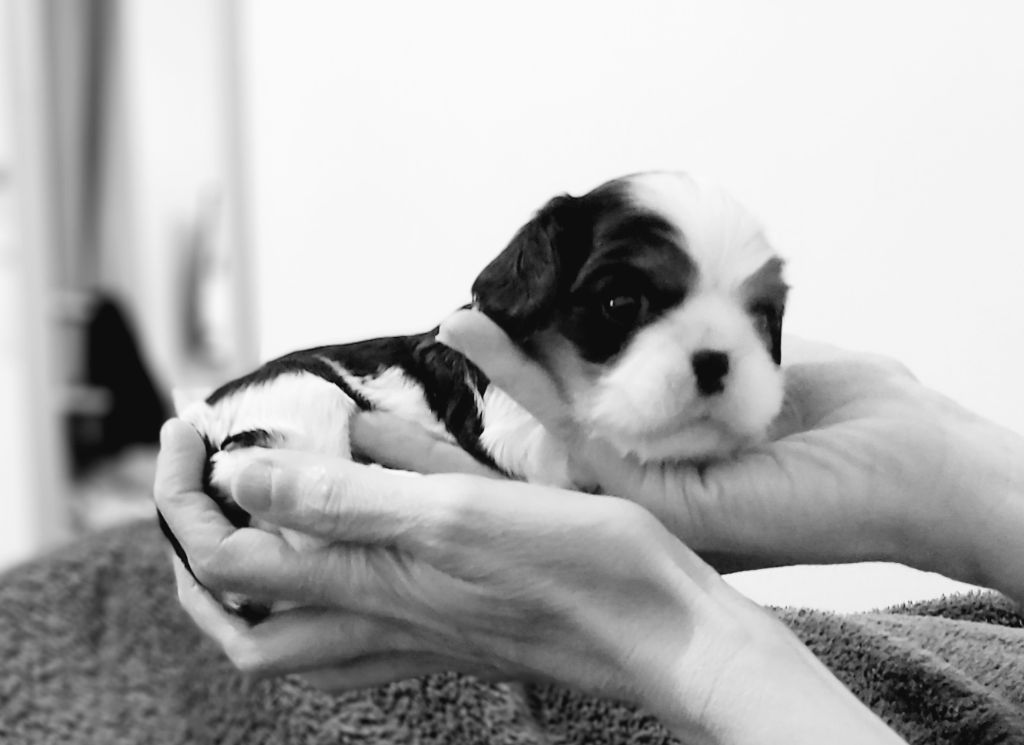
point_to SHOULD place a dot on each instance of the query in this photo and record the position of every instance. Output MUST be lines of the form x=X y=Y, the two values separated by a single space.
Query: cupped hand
x=496 y=578
x=864 y=463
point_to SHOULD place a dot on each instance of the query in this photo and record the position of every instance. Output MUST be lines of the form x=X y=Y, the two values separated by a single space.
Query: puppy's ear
x=518 y=289
x=775 y=334
x=767 y=287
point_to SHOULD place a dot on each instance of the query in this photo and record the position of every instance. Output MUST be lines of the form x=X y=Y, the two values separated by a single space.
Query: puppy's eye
x=624 y=309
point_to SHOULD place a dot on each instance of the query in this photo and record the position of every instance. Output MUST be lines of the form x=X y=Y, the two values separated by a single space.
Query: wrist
x=801 y=701
x=994 y=523
x=721 y=669
x=768 y=689
x=974 y=533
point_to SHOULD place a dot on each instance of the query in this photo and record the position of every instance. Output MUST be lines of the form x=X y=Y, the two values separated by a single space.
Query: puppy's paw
x=225 y=465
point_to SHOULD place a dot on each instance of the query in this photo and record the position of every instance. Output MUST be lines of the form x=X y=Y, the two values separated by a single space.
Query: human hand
x=865 y=463
x=496 y=578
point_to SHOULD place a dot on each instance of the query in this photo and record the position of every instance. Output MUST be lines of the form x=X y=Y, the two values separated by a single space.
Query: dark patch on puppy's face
x=595 y=268
x=637 y=268
x=765 y=293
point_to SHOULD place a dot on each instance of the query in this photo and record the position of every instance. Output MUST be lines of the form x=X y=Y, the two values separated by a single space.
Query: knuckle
x=164 y=492
x=453 y=508
x=160 y=492
x=182 y=595
x=632 y=514
x=455 y=490
x=456 y=493
x=889 y=365
x=245 y=654
x=627 y=518
x=901 y=369
x=218 y=569
x=322 y=498
x=210 y=572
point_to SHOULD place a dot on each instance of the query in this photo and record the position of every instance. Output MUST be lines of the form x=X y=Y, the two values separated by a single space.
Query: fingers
x=508 y=367
x=345 y=501
x=204 y=611
x=308 y=639
x=193 y=517
x=363 y=579
x=335 y=649
x=217 y=552
x=398 y=443
x=179 y=466
x=708 y=508
x=798 y=350
x=803 y=351
x=803 y=499
x=290 y=642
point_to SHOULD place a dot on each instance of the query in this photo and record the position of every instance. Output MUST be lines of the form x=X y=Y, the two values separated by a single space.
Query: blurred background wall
x=124 y=258
x=281 y=174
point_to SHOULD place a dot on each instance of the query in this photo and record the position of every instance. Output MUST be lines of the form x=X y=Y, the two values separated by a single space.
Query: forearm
x=734 y=674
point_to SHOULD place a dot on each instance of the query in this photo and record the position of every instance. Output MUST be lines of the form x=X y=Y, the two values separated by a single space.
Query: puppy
x=654 y=301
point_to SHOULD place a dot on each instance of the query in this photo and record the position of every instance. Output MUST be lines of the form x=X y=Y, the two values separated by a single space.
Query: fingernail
x=252 y=486
x=444 y=336
x=451 y=328
x=167 y=432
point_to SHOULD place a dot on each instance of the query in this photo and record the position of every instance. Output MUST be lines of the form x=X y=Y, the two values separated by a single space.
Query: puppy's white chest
x=520 y=444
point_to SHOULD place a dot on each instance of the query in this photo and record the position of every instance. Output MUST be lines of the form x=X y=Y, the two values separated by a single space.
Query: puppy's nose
x=710 y=367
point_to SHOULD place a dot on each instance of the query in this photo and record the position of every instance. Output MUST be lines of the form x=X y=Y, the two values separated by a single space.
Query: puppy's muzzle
x=710 y=368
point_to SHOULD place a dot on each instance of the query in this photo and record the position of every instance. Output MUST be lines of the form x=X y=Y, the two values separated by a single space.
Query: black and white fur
x=654 y=301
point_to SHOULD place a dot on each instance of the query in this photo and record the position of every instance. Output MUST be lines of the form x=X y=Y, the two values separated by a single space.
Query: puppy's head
x=657 y=304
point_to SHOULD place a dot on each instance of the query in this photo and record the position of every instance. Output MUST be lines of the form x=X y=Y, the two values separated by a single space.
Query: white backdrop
x=397 y=146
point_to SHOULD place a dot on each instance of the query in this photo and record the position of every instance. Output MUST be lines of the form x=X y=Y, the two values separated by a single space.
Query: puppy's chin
x=675 y=427
x=699 y=442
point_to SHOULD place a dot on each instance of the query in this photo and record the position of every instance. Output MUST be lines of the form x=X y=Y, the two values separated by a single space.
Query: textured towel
x=94 y=649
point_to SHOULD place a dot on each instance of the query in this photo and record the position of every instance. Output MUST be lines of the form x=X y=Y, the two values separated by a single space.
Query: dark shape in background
x=133 y=411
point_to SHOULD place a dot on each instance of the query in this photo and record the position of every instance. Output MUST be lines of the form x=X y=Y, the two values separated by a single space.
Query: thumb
x=394 y=442
x=334 y=498
x=508 y=367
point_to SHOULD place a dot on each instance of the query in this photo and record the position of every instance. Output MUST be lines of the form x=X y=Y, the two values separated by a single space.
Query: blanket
x=94 y=649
